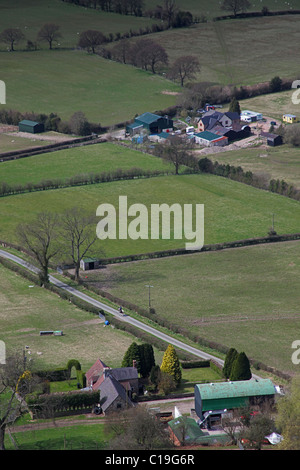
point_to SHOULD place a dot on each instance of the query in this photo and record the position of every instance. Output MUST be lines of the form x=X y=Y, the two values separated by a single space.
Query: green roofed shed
x=30 y=126
x=230 y=395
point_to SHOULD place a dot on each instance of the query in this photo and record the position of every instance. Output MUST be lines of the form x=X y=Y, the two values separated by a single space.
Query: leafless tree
x=40 y=238
x=148 y=54
x=79 y=234
x=15 y=382
x=185 y=67
x=11 y=36
x=140 y=430
x=176 y=150
x=121 y=51
x=236 y=6
x=169 y=11
x=49 y=33
x=90 y=39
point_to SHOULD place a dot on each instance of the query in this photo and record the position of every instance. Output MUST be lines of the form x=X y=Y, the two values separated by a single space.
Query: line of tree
x=79 y=180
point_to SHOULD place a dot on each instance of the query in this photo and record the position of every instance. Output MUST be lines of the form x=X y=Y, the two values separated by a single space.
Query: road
x=126 y=318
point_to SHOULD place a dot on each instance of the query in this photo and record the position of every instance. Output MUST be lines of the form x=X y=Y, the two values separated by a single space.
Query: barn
x=153 y=123
x=31 y=126
x=231 y=395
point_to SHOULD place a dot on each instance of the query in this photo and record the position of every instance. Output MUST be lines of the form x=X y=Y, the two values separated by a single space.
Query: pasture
x=272 y=163
x=64 y=82
x=247 y=298
x=62 y=164
x=25 y=310
x=232 y=210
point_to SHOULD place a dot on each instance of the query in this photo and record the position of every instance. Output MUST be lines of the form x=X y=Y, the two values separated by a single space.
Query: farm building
x=289 y=118
x=31 y=126
x=272 y=139
x=87 y=264
x=153 y=123
x=185 y=431
x=231 y=395
x=209 y=139
x=250 y=116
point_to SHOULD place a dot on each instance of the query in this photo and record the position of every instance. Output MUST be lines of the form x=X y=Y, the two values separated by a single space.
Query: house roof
x=110 y=390
x=95 y=371
x=242 y=388
x=124 y=373
x=147 y=118
x=232 y=115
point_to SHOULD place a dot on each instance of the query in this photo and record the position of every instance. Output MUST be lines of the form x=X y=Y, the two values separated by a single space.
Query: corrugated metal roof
x=242 y=388
x=29 y=123
x=148 y=118
x=208 y=135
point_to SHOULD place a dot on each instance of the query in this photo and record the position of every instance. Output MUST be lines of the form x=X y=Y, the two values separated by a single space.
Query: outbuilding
x=31 y=126
x=153 y=123
x=272 y=139
x=210 y=139
x=87 y=264
x=231 y=395
x=289 y=118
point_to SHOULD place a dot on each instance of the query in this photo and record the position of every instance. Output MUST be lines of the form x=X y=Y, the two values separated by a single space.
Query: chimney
x=134 y=363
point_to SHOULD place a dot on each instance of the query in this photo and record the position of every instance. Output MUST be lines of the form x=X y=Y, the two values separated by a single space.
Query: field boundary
x=69 y=143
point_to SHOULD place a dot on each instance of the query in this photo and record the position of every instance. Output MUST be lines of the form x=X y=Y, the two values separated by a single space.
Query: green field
x=26 y=310
x=31 y=15
x=232 y=210
x=63 y=164
x=239 y=52
x=247 y=298
x=64 y=82
x=272 y=163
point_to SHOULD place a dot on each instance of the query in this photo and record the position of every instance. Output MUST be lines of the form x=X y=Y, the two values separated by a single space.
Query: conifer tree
x=229 y=359
x=170 y=364
x=235 y=106
x=132 y=354
x=241 y=368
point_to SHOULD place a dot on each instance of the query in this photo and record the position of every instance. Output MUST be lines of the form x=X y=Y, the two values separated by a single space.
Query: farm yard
x=242 y=297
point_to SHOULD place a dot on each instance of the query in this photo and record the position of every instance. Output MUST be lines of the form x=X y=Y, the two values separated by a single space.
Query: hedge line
x=46 y=405
x=79 y=180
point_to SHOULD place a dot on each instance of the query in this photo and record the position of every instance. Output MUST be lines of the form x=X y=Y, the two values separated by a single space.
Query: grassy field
x=231 y=210
x=74 y=437
x=64 y=82
x=26 y=310
x=275 y=163
x=247 y=298
x=31 y=15
x=63 y=164
x=239 y=51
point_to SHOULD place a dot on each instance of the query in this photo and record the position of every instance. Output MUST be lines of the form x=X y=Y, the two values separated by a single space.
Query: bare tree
x=90 y=39
x=12 y=36
x=169 y=11
x=121 y=51
x=185 y=67
x=79 y=234
x=149 y=53
x=140 y=430
x=236 y=6
x=15 y=382
x=40 y=239
x=49 y=33
x=177 y=151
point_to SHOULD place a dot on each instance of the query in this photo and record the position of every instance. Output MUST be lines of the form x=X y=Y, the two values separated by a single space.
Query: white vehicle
x=190 y=130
